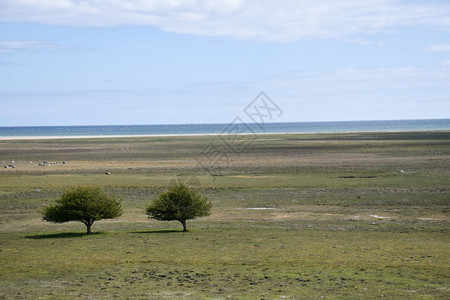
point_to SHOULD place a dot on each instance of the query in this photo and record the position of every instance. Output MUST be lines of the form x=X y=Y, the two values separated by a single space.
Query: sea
x=194 y=129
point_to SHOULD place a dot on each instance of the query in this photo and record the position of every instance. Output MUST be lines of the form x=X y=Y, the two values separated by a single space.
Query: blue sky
x=67 y=62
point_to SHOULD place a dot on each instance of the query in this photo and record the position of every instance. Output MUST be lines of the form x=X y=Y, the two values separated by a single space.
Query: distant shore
x=237 y=126
x=59 y=137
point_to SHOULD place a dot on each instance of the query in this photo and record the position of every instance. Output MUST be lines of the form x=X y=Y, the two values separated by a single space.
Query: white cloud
x=283 y=20
x=7 y=46
x=438 y=48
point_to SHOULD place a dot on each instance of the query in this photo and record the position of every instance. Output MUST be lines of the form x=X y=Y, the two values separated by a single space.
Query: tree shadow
x=159 y=231
x=60 y=235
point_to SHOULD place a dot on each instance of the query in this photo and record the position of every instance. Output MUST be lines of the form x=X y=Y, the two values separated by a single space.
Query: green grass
x=343 y=221
x=234 y=260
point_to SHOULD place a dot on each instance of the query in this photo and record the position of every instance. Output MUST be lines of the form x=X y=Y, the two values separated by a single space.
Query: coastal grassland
x=358 y=215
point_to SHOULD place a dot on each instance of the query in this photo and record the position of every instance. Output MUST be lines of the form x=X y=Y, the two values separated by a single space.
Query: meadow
x=295 y=216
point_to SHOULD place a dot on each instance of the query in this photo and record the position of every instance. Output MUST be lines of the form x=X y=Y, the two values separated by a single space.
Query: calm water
x=180 y=129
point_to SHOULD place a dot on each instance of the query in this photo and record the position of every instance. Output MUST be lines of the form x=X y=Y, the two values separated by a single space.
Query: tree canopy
x=85 y=204
x=179 y=203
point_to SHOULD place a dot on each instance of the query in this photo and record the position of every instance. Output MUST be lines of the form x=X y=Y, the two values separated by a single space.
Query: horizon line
x=225 y=123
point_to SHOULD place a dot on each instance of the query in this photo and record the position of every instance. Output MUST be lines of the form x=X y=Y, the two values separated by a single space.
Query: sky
x=108 y=62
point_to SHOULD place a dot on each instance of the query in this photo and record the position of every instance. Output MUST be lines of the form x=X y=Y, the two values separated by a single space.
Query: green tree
x=180 y=203
x=85 y=204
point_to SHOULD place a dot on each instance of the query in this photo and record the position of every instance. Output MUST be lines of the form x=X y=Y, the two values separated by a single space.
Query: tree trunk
x=184 y=225
x=88 y=227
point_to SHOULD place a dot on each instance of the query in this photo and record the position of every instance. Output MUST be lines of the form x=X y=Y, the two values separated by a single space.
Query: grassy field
x=295 y=216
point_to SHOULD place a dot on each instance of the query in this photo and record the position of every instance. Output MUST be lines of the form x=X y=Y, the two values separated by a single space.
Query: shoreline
x=59 y=137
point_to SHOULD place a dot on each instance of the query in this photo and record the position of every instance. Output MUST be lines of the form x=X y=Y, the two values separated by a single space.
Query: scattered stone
x=401 y=171
x=258 y=208
x=378 y=217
